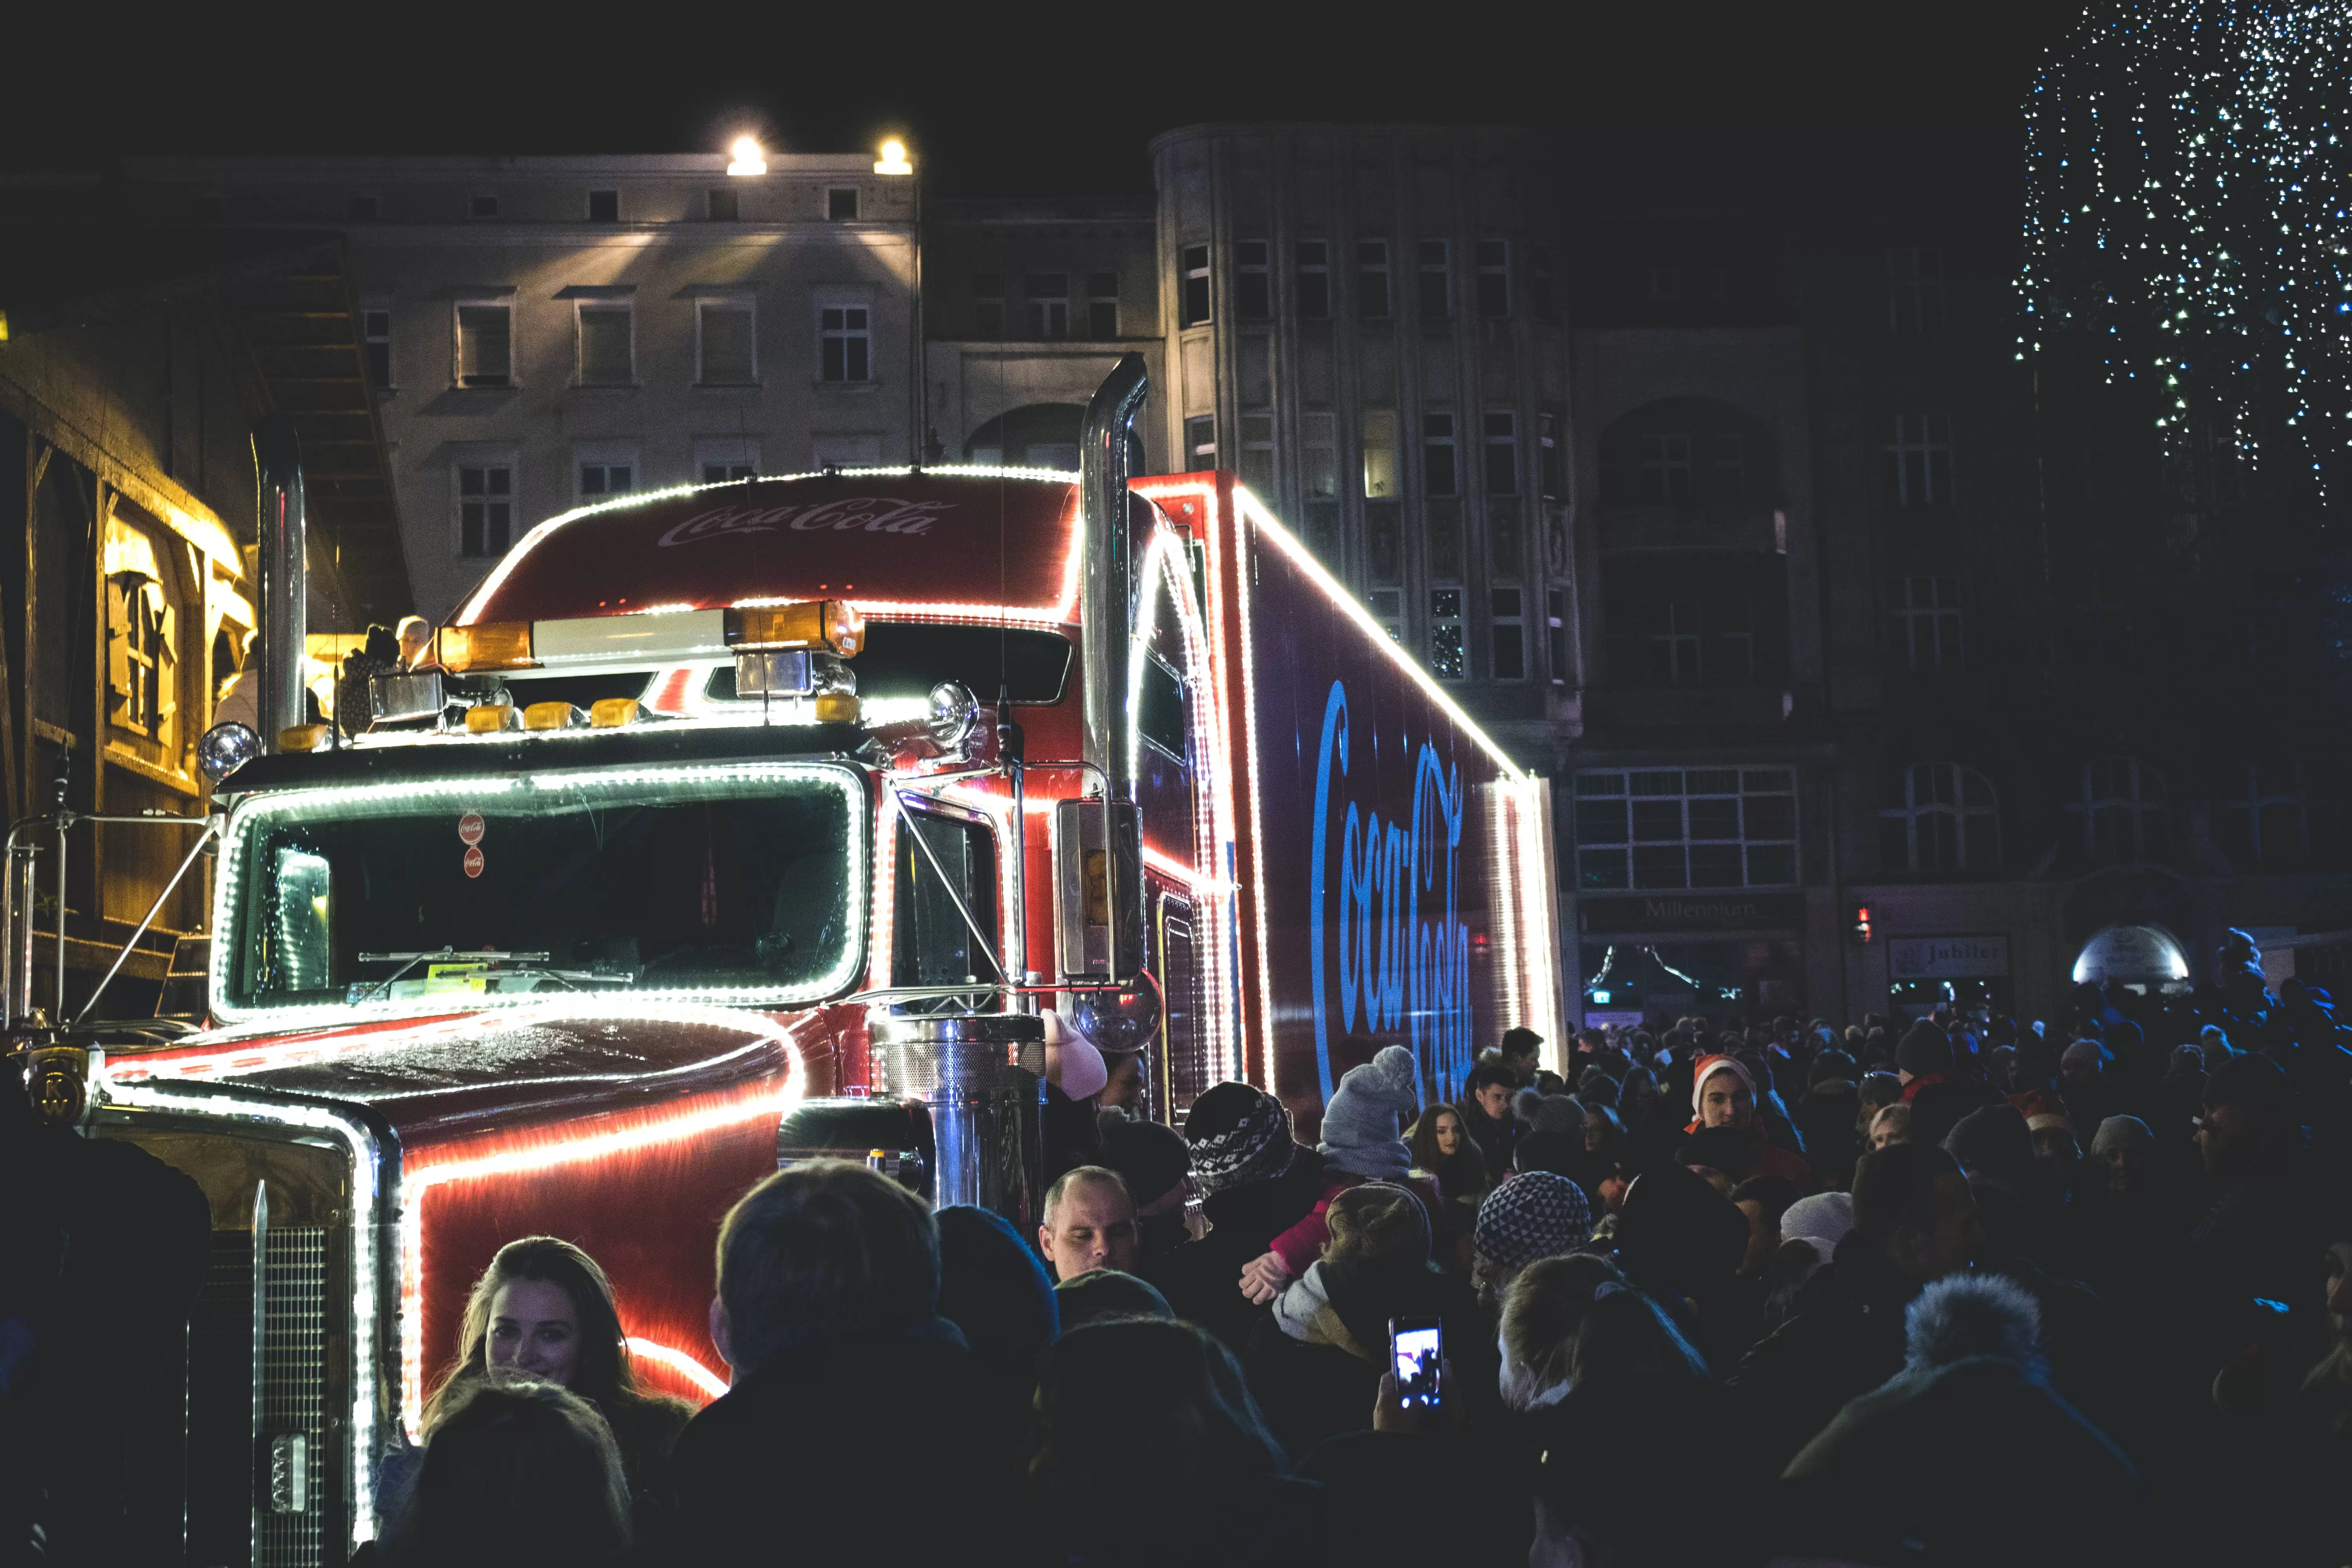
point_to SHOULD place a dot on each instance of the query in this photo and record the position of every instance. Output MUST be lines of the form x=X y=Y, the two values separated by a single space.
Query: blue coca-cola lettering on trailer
x=1390 y=908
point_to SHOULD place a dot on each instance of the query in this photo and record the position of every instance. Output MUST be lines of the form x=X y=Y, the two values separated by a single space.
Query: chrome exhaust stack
x=282 y=533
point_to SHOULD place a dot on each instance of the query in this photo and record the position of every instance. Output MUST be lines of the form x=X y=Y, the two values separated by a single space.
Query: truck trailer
x=736 y=823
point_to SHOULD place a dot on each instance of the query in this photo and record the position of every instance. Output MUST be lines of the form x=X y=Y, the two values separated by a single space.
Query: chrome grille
x=290 y=1491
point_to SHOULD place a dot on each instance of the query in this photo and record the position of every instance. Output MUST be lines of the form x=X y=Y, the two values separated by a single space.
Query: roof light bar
x=835 y=625
x=500 y=645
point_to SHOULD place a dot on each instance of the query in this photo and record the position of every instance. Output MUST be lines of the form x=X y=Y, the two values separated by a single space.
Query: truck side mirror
x=1097 y=891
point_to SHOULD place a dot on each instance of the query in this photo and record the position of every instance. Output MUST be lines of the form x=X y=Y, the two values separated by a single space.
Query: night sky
x=1663 y=97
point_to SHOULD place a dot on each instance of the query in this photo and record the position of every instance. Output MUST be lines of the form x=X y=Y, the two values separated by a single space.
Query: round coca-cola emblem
x=469 y=828
x=474 y=862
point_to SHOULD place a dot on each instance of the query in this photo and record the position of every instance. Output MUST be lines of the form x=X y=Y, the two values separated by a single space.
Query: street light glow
x=748 y=157
x=894 y=159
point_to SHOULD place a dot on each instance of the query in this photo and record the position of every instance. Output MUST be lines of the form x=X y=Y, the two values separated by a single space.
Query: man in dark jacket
x=1485 y=1108
x=1256 y=1181
x=1938 y=1095
x=1915 y=1220
x=828 y=1293
x=2256 y=1243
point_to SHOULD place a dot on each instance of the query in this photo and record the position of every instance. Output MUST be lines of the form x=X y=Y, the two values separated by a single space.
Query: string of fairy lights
x=2185 y=217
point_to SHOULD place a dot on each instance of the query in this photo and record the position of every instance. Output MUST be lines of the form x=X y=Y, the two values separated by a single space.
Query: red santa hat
x=2042 y=1108
x=1710 y=1065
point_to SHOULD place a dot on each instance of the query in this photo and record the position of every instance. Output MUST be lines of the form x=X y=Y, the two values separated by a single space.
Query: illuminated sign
x=1399 y=967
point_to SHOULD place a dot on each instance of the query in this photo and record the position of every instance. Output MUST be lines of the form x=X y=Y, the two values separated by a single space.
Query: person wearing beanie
x=1819 y=1222
x=1723 y=1106
x=1153 y=1160
x=1106 y=1295
x=994 y=1289
x=1555 y=1140
x=1932 y=1087
x=1993 y=1144
x=1537 y=1214
x=2125 y=1146
x=1256 y=1181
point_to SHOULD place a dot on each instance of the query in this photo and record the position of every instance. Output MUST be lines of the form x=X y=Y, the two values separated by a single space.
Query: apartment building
x=546 y=332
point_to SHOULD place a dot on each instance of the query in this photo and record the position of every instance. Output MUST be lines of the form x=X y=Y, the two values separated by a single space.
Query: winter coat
x=1492 y=1139
x=1201 y=1280
x=1315 y=1362
x=1845 y=1337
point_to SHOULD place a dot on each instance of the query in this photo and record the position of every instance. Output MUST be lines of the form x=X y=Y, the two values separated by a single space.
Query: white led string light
x=2187 y=222
x=256 y=809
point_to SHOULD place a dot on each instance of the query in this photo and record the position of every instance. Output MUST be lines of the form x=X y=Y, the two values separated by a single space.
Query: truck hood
x=451 y=1075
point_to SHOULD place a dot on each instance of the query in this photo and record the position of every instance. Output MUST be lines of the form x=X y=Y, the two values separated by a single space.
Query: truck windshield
x=741 y=882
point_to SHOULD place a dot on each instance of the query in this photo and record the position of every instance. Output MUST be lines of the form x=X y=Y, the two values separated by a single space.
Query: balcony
x=1742 y=529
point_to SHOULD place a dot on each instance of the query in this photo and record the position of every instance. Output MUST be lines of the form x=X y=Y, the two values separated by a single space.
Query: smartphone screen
x=1418 y=1345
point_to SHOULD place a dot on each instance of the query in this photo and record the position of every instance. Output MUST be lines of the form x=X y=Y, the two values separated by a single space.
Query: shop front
x=1923 y=972
x=1719 y=955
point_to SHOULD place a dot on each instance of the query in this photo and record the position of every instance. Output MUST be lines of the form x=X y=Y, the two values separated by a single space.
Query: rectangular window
x=1556 y=634
x=1924 y=621
x=1194 y=300
x=1510 y=635
x=485 y=345
x=1666 y=468
x=1387 y=605
x=1660 y=829
x=841 y=203
x=1446 y=658
x=482 y=206
x=375 y=338
x=1502 y=453
x=1731 y=660
x=2265 y=821
x=1048 y=297
x=724 y=352
x=607 y=353
x=603 y=207
x=847 y=343
x=1727 y=466
x=1915 y=291
x=1438 y=475
x=485 y=509
x=363 y=207
x=988 y=306
x=1102 y=305
x=1668 y=638
x=1917 y=470
x=1252 y=280
x=1258 y=453
x=1494 y=278
x=1318 y=450
x=601 y=482
x=1379 y=452
x=1552 y=468
x=1314 y=279
x=1200 y=441
x=1372 y=279
x=1384 y=541
x=1436 y=281
x=722 y=458
x=1546 y=303
x=723 y=204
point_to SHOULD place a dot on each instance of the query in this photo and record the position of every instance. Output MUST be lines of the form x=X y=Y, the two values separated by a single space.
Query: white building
x=546 y=332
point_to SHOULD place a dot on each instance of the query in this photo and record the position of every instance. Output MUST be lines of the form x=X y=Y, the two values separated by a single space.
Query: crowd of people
x=1946 y=1289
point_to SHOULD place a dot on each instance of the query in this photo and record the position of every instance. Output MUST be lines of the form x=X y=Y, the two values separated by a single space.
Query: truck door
x=932 y=942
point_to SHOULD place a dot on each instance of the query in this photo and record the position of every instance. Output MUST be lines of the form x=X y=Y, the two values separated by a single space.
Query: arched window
x=1939 y=817
x=2122 y=813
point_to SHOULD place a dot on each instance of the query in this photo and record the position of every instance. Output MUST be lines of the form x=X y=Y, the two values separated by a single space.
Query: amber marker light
x=500 y=645
x=834 y=625
x=894 y=159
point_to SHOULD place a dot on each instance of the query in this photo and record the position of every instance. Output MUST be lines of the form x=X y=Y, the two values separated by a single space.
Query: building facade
x=546 y=332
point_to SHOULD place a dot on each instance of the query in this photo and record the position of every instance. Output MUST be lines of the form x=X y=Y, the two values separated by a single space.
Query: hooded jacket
x=1315 y=1361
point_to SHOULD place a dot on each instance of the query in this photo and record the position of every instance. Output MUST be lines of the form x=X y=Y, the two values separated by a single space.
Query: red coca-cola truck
x=737 y=822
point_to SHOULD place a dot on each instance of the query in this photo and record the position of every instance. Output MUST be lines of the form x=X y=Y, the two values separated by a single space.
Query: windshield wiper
x=408 y=961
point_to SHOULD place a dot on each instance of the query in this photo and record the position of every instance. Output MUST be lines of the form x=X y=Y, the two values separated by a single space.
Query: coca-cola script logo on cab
x=874 y=514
